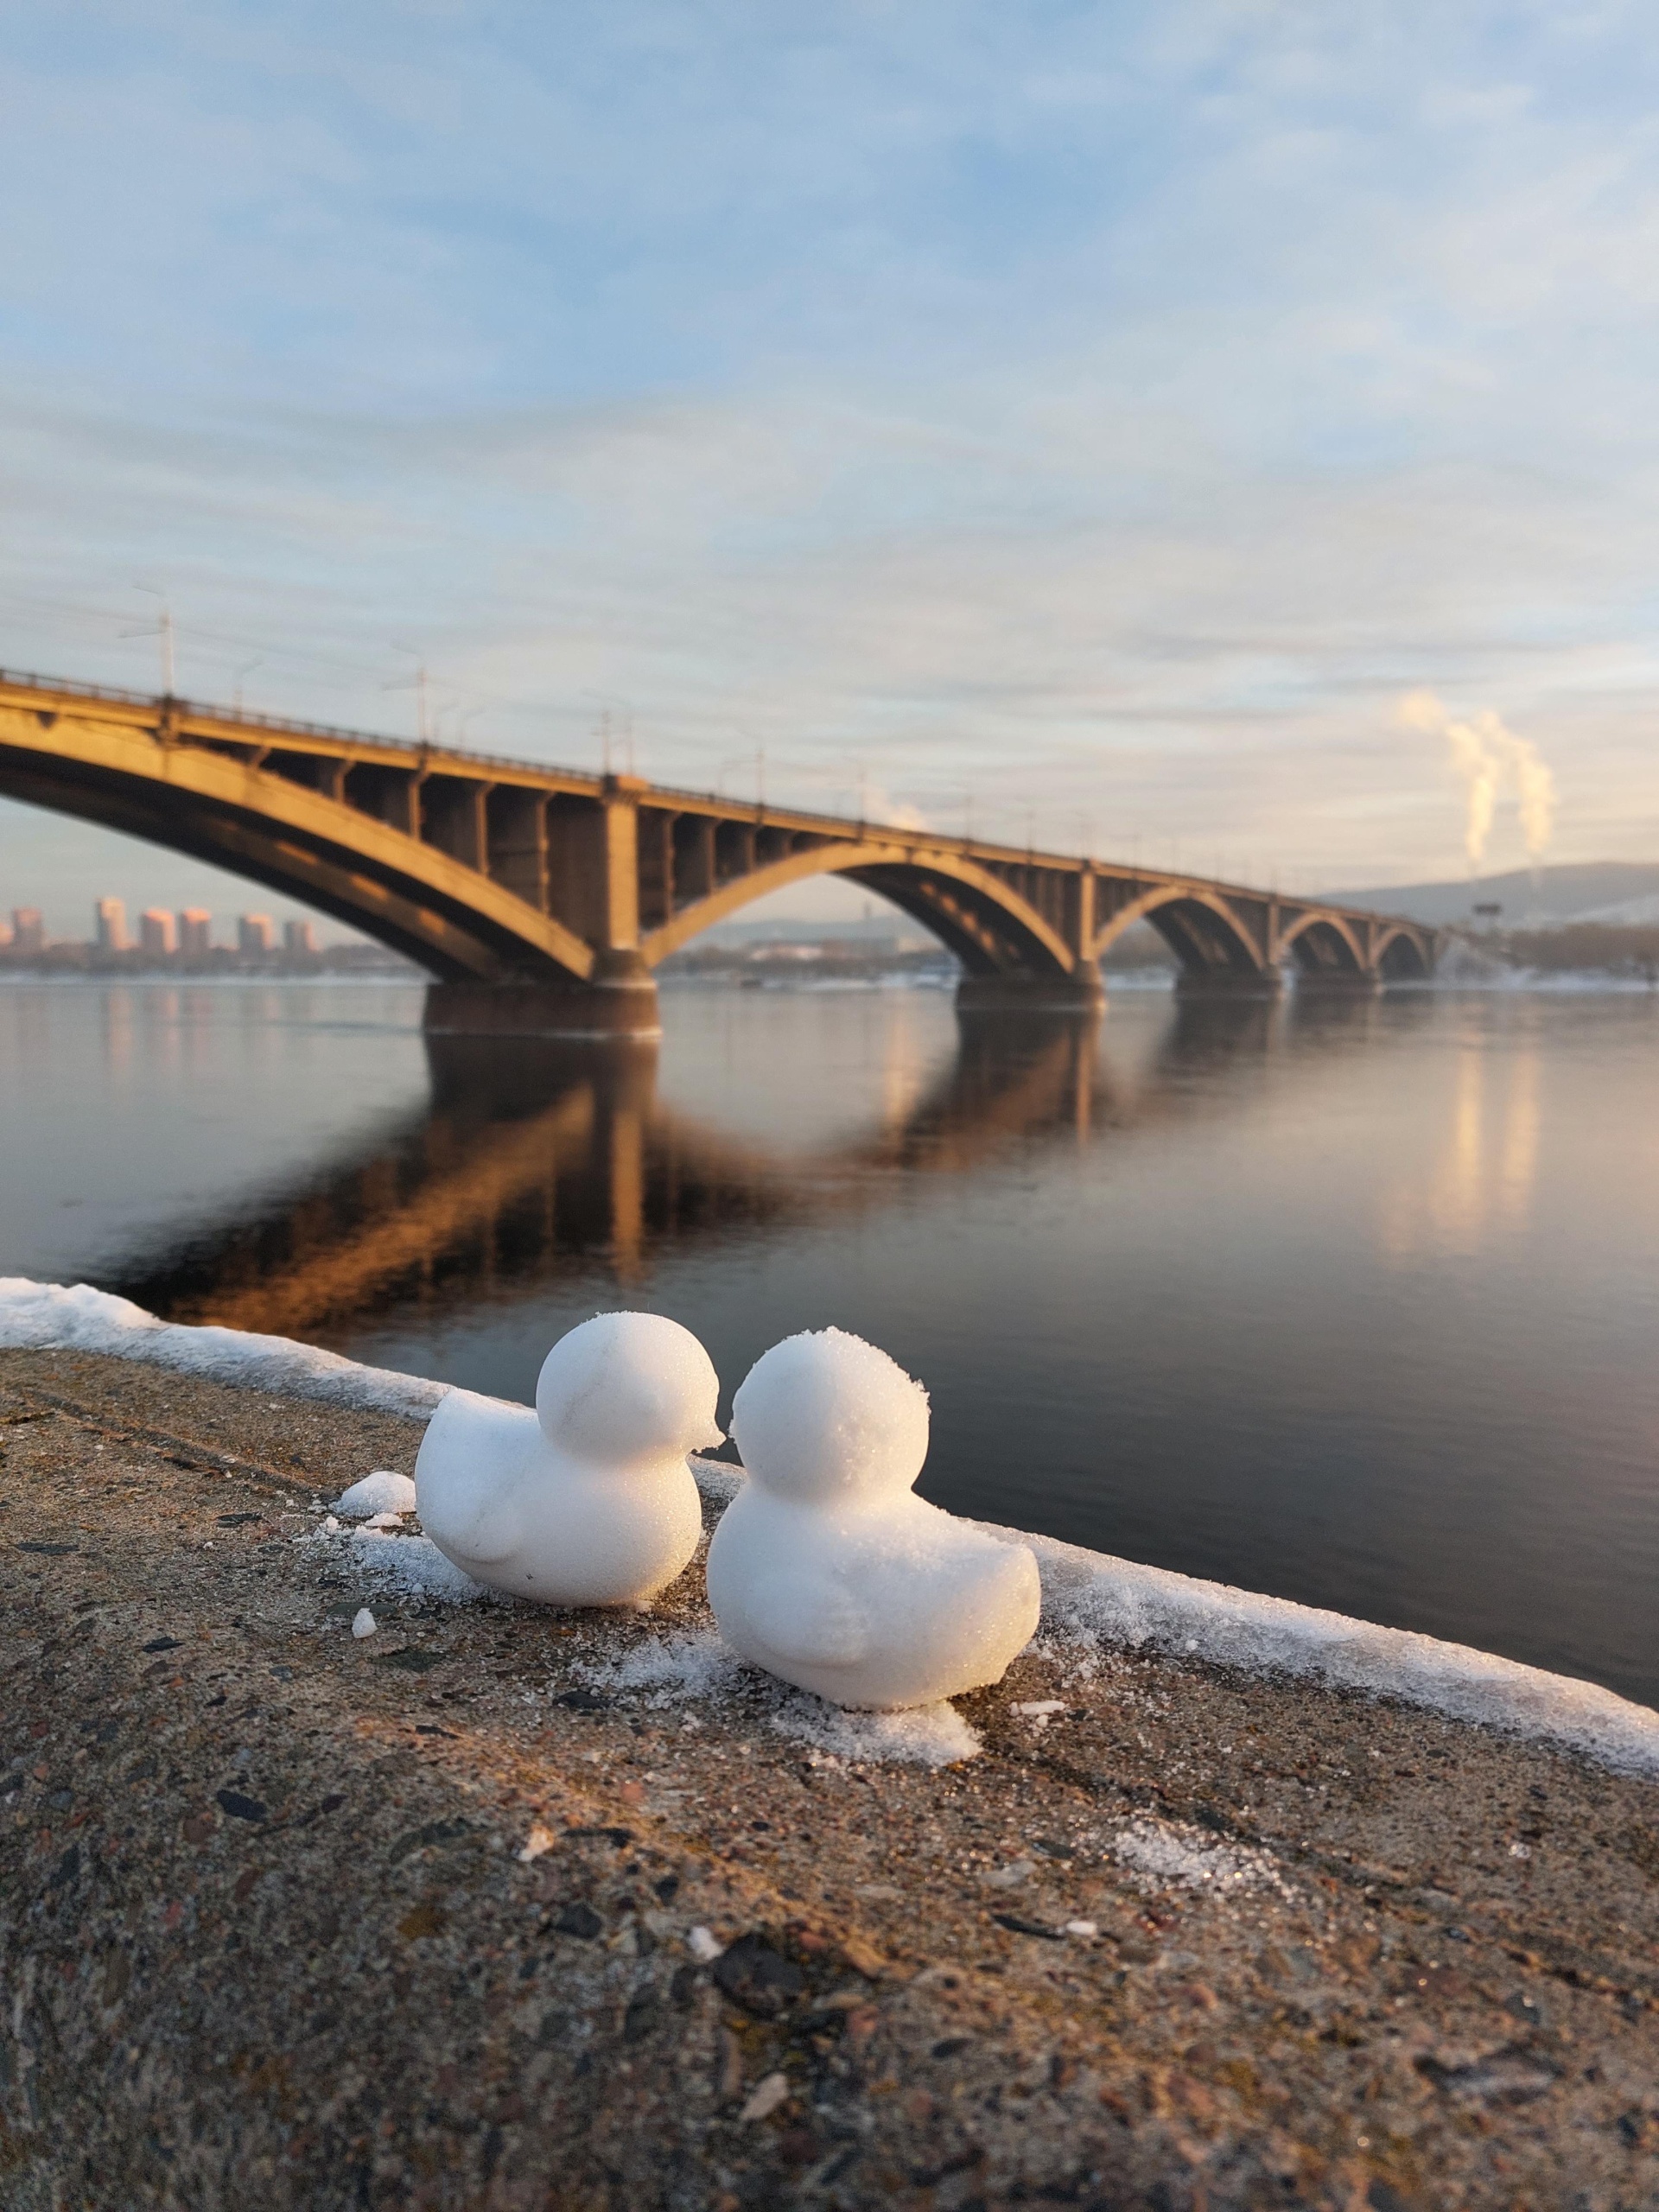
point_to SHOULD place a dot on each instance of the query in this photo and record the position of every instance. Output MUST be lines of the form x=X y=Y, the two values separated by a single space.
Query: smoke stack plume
x=1486 y=755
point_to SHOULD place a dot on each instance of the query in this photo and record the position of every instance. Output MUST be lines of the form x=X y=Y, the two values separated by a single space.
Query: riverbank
x=430 y=1917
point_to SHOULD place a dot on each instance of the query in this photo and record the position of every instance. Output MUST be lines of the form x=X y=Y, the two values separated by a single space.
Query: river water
x=1355 y=1303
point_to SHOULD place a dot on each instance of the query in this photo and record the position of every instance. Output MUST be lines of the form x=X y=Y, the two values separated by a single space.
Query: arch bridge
x=542 y=899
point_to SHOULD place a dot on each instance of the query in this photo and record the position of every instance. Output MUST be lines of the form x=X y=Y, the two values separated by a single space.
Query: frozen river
x=1356 y=1304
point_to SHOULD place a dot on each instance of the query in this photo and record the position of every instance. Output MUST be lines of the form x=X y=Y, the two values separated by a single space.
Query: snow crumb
x=1010 y=1877
x=1039 y=1711
x=764 y=2099
x=704 y=1945
x=365 y=1624
x=927 y=1735
x=536 y=1843
x=1081 y=1927
x=380 y=1493
x=1169 y=1853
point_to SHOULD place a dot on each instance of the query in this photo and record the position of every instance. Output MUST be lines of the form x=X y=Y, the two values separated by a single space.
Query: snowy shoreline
x=1090 y=1599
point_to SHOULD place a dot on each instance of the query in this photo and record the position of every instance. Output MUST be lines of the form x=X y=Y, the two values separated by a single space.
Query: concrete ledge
x=297 y=1921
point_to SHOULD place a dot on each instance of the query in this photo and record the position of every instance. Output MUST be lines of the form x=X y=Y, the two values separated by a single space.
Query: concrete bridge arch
x=543 y=898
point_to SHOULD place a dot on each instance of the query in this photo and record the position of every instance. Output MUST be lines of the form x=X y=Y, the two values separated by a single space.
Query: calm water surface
x=1356 y=1304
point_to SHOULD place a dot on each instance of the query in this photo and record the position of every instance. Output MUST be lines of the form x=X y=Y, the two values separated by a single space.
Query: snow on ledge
x=45 y=1316
x=1089 y=1598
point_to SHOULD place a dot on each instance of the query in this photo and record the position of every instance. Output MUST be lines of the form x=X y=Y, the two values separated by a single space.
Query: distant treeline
x=1613 y=948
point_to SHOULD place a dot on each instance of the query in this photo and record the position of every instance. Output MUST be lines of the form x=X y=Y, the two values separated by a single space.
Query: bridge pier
x=1326 y=983
x=620 y=1001
x=1080 y=992
x=1229 y=983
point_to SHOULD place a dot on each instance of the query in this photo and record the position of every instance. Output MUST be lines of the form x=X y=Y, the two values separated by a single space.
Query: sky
x=1086 y=423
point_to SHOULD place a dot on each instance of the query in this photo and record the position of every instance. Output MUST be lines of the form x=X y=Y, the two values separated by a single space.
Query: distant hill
x=1587 y=891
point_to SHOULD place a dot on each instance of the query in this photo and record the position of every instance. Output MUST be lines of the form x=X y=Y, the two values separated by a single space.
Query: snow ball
x=380 y=1493
x=704 y=1945
x=365 y=1624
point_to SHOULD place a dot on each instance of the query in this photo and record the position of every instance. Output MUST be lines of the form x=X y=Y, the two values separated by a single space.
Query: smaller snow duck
x=827 y=1570
x=587 y=1500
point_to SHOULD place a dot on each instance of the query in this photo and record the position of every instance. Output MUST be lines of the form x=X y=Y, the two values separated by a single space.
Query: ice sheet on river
x=1090 y=1599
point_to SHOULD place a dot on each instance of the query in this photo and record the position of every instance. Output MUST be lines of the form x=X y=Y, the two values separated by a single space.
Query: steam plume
x=1485 y=754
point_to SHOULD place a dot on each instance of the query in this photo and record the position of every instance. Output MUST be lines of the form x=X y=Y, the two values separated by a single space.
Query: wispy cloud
x=1109 y=412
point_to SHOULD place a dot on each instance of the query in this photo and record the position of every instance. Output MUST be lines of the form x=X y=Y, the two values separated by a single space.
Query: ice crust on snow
x=922 y=1735
x=827 y=1570
x=1171 y=1854
x=413 y=1565
x=398 y=1561
x=588 y=1500
x=43 y=1316
x=673 y=1670
x=1090 y=1600
x=380 y=1493
x=675 y=1667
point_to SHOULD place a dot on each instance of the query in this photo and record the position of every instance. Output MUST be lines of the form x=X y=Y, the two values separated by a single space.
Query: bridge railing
x=160 y=703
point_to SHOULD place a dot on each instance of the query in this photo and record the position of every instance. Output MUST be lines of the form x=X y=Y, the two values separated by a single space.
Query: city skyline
x=168 y=932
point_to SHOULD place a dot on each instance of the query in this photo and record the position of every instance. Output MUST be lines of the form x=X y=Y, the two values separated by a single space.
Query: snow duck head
x=825 y=1418
x=625 y=1390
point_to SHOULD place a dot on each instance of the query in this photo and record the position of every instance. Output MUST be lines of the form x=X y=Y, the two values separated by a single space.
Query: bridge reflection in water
x=532 y=1155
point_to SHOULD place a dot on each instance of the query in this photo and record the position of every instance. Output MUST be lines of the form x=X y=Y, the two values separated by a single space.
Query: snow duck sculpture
x=587 y=1500
x=827 y=1570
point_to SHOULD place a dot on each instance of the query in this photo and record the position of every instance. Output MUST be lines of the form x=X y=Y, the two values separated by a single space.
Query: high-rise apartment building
x=27 y=930
x=254 y=933
x=195 y=932
x=299 y=939
x=158 y=937
x=110 y=918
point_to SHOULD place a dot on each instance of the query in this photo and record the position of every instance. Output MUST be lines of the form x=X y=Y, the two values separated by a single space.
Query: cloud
x=1110 y=413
